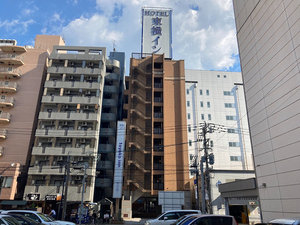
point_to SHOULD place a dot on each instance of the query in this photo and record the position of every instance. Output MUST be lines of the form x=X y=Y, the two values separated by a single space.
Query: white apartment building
x=69 y=124
x=217 y=98
x=268 y=35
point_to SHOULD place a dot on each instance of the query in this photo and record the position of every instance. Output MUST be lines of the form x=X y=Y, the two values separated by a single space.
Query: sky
x=203 y=35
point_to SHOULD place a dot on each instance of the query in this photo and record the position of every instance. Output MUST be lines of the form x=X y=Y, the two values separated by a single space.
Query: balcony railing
x=8 y=101
x=3 y=133
x=11 y=59
x=8 y=86
x=4 y=117
x=9 y=72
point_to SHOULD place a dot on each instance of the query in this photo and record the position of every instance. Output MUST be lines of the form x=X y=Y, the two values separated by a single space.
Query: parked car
x=23 y=220
x=183 y=218
x=170 y=217
x=209 y=219
x=8 y=220
x=38 y=217
x=285 y=222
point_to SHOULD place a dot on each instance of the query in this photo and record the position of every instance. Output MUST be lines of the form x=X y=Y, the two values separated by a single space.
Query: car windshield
x=45 y=217
x=10 y=220
x=24 y=219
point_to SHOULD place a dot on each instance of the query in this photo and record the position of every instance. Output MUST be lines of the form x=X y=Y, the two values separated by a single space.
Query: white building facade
x=217 y=98
x=268 y=38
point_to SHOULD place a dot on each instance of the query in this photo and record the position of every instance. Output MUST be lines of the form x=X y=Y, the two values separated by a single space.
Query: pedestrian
x=53 y=213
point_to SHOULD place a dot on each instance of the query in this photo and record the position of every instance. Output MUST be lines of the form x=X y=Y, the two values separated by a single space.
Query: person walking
x=53 y=213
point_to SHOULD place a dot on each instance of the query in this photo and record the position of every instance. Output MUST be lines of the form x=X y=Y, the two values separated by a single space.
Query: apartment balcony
x=13 y=48
x=68 y=116
x=110 y=89
x=71 y=99
x=4 y=117
x=108 y=117
x=71 y=85
x=8 y=87
x=109 y=102
x=9 y=73
x=56 y=170
x=60 y=151
x=81 y=57
x=3 y=133
x=103 y=182
x=67 y=133
x=74 y=70
x=105 y=165
x=7 y=102
x=112 y=76
x=104 y=132
x=11 y=59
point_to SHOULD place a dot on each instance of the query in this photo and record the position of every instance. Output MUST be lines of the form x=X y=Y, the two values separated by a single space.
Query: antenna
x=114 y=45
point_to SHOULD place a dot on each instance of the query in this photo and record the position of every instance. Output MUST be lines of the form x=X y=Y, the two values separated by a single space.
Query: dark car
x=23 y=220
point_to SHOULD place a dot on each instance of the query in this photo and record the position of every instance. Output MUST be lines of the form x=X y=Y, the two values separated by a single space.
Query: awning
x=7 y=202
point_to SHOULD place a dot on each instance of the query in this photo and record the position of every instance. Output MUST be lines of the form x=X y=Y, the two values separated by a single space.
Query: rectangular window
x=235 y=158
x=189 y=128
x=188 y=103
x=225 y=76
x=218 y=75
x=202 y=116
x=190 y=143
x=201 y=93
x=191 y=157
x=211 y=144
x=234 y=144
x=207 y=92
x=229 y=105
x=230 y=118
x=189 y=116
x=227 y=93
x=7 y=182
x=208 y=104
x=187 y=91
x=201 y=104
x=231 y=131
x=209 y=117
x=2 y=96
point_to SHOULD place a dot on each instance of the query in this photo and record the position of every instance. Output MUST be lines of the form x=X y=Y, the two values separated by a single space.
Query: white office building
x=217 y=98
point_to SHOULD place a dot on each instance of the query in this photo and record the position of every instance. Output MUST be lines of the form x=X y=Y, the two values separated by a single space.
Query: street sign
x=33 y=197
x=50 y=197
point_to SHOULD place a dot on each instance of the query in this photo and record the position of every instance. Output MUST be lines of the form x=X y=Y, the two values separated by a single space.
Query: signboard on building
x=157 y=31
x=33 y=197
x=119 y=159
x=50 y=197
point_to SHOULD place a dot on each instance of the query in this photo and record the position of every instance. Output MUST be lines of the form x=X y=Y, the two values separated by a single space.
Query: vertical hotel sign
x=157 y=31
x=119 y=159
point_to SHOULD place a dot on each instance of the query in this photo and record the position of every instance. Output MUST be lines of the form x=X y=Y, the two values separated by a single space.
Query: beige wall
x=23 y=114
x=268 y=37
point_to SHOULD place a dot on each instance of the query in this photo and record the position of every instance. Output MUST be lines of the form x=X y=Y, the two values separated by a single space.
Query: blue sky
x=203 y=30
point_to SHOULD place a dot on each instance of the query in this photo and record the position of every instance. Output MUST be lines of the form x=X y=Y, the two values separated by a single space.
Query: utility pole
x=66 y=188
x=82 y=192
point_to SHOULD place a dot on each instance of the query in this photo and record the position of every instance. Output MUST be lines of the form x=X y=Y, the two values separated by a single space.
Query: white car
x=8 y=220
x=170 y=217
x=38 y=217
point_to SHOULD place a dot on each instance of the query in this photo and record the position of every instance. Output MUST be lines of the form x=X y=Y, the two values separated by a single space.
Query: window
x=208 y=104
x=202 y=116
x=189 y=116
x=211 y=143
x=227 y=93
x=188 y=103
x=190 y=143
x=201 y=93
x=207 y=92
x=201 y=104
x=218 y=76
x=231 y=131
x=224 y=76
x=127 y=85
x=2 y=96
x=234 y=144
x=187 y=91
x=169 y=216
x=191 y=157
x=235 y=158
x=125 y=99
x=230 y=118
x=7 y=182
x=209 y=117
x=229 y=105
x=189 y=128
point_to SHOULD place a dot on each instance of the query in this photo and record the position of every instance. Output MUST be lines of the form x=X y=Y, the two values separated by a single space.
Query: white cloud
x=16 y=26
x=203 y=30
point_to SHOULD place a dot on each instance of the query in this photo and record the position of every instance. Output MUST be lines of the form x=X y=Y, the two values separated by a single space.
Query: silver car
x=209 y=219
